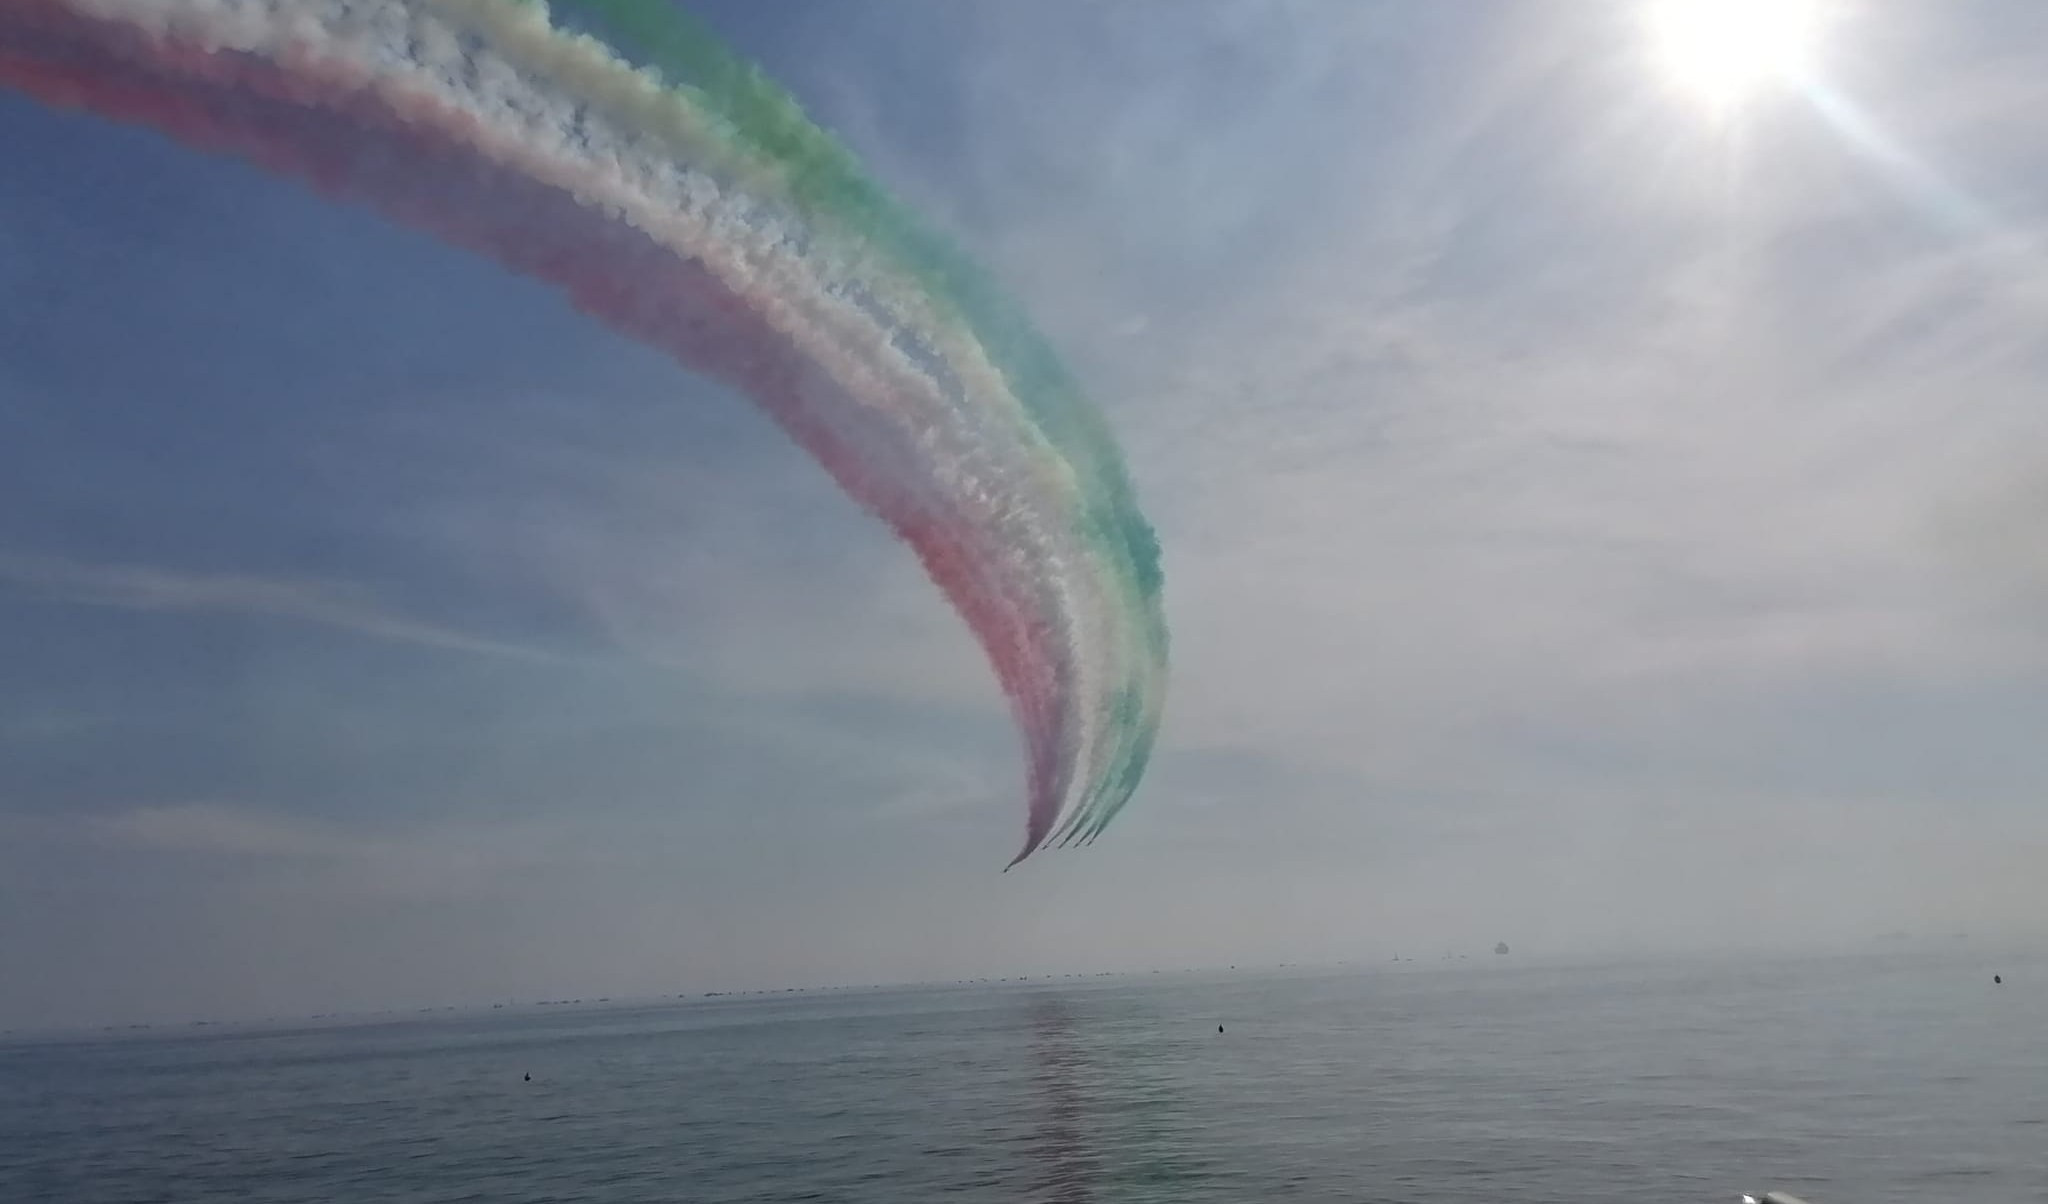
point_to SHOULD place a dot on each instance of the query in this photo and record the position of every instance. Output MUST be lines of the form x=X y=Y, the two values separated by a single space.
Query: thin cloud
x=133 y=587
x=206 y=828
x=301 y=855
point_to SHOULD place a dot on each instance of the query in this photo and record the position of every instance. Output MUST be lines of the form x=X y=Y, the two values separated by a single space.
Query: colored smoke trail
x=683 y=199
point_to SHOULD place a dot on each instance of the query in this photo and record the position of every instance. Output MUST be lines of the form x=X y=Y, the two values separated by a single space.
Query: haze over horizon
x=1807 y=955
x=1598 y=513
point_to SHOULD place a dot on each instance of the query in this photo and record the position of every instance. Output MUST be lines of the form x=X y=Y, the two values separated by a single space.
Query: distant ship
x=1501 y=948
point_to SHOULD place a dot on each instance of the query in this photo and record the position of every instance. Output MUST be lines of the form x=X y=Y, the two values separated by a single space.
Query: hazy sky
x=1592 y=519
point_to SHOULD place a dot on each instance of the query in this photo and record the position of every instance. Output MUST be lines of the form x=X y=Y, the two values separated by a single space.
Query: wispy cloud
x=213 y=828
x=299 y=854
x=133 y=587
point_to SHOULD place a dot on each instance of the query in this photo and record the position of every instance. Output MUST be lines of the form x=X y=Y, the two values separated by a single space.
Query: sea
x=1883 y=1076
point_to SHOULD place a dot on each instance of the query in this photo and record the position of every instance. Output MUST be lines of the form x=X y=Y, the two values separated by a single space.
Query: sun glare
x=1725 y=51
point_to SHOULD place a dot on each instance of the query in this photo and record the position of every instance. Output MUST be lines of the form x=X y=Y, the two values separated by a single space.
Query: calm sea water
x=1848 y=1080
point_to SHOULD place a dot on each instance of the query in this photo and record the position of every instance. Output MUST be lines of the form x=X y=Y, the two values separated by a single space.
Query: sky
x=1596 y=515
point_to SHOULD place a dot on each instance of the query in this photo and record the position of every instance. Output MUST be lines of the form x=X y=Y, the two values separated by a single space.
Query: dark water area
x=1850 y=1080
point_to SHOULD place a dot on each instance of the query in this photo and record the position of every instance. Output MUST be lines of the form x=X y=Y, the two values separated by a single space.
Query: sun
x=1724 y=52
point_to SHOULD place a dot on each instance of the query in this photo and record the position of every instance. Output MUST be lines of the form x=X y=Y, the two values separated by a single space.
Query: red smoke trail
x=424 y=163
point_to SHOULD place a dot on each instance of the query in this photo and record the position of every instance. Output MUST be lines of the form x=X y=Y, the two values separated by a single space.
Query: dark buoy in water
x=1998 y=980
x=1219 y=1028
x=529 y=1076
